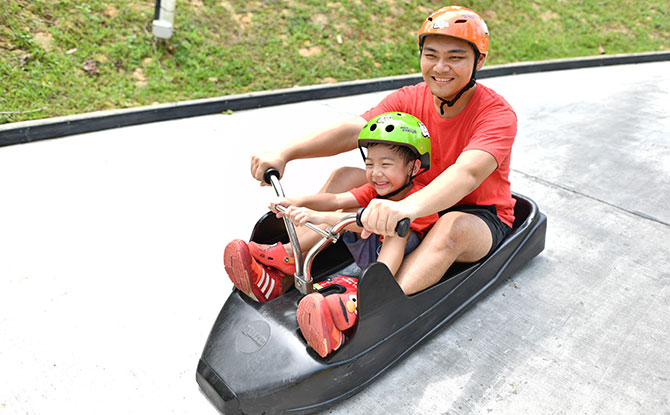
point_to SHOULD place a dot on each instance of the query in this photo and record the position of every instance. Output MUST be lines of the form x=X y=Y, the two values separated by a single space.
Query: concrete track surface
x=111 y=273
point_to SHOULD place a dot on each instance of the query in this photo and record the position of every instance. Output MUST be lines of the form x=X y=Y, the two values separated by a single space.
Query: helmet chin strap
x=470 y=84
x=398 y=190
x=409 y=183
x=453 y=101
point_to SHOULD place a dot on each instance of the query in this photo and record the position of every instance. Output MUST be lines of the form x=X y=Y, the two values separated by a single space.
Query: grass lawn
x=60 y=57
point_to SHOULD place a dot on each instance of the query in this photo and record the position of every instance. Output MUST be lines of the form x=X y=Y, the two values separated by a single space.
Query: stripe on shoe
x=272 y=286
x=263 y=282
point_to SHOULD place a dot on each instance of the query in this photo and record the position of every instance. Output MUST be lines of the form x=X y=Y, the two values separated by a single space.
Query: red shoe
x=342 y=299
x=274 y=255
x=324 y=316
x=255 y=280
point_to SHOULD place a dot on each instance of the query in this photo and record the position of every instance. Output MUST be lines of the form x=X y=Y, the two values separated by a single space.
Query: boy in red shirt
x=398 y=150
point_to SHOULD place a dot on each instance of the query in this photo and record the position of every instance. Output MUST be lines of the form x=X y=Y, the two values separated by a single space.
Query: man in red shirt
x=472 y=131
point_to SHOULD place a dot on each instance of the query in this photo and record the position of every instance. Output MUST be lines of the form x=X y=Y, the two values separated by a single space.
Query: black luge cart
x=256 y=361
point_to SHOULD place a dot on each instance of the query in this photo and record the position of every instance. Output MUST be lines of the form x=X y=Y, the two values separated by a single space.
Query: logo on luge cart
x=253 y=337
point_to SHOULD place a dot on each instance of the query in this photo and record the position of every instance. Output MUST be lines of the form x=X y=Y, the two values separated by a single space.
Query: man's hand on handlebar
x=381 y=217
x=260 y=163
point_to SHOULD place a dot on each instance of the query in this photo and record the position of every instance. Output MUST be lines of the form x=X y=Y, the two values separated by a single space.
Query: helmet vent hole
x=389 y=128
x=461 y=21
x=373 y=127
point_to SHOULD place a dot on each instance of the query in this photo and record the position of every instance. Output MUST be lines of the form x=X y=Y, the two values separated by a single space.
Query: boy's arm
x=323 y=202
x=300 y=215
x=328 y=202
x=393 y=252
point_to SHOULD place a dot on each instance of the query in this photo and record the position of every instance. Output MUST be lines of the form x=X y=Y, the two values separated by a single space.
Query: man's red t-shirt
x=364 y=194
x=487 y=123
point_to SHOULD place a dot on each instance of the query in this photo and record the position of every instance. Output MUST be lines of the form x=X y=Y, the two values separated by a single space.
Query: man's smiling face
x=446 y=64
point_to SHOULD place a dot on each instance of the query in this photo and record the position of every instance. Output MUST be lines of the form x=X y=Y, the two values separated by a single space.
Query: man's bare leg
x=455 y=237
x=344 y=179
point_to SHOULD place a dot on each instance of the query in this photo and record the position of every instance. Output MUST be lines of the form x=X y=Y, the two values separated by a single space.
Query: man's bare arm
x=460 y=179
x=328 y=141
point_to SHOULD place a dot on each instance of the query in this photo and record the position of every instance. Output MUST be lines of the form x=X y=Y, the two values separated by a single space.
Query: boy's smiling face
x=385 y=169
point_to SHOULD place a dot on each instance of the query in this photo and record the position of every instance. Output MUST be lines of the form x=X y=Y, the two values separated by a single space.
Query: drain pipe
x=163 y=19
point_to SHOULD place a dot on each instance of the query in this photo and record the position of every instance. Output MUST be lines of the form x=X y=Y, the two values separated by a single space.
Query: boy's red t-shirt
x=364 y=194
x=487 y=123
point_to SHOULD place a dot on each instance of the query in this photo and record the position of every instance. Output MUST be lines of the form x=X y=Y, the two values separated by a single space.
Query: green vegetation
x=60 y=57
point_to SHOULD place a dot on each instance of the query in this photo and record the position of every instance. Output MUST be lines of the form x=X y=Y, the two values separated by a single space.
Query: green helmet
x=400 y=129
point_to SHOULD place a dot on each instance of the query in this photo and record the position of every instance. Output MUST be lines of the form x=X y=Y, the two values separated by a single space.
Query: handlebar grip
x=402 y=228
x=269 y=173
x=359 y=214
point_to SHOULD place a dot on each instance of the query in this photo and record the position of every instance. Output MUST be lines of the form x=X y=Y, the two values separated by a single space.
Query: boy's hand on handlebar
x=260 y=163
x=300 y=215
x=281 y=201
x=382 y=216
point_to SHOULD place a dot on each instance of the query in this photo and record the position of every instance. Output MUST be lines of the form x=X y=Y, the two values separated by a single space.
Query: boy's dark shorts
x=499 y=230
x=366 y=251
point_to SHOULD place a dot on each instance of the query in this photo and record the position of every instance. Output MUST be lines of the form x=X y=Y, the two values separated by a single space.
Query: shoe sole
x=236 y=261
x=312 y=318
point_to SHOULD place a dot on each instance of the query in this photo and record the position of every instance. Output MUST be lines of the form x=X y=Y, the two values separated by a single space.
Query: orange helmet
x=458 y=22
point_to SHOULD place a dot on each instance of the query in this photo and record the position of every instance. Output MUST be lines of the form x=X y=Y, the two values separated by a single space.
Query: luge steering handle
x=269 y=173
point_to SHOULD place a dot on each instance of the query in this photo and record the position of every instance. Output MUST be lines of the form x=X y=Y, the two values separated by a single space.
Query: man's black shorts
x=499 y=230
